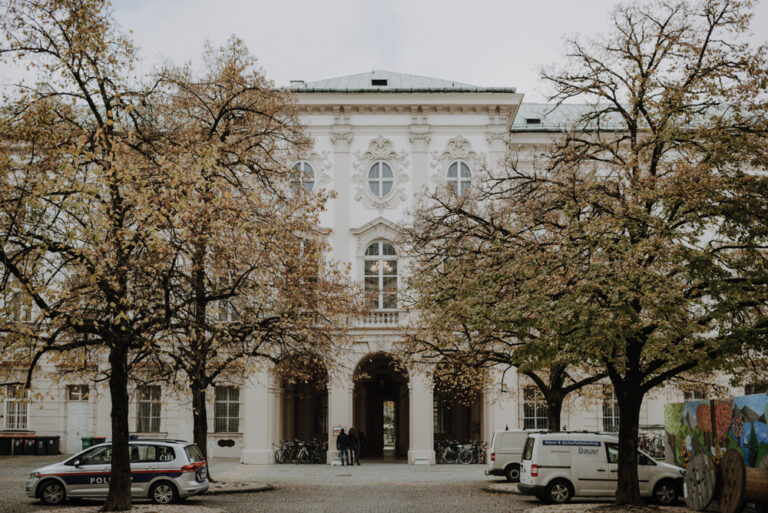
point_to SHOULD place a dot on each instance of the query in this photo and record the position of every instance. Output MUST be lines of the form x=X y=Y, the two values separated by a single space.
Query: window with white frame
x=755 y=388
x=380 y=179
x=148 y=409
x=305 y=176
x=226 y=409
x=225 y=307
x=17 y=304
x=77 y=392
x=610 y=410
x=459 y=177
x=534 y=409
x=16 y=411
x=697 y=392
x=381 y=276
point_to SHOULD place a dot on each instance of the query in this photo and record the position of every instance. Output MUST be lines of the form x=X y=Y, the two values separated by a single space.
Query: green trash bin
x=87 y=441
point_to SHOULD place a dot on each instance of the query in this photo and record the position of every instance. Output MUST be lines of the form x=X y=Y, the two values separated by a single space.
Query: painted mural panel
x=712 y=427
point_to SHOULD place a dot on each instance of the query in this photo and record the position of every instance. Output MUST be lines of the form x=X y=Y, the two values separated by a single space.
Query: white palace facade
x=380 y=140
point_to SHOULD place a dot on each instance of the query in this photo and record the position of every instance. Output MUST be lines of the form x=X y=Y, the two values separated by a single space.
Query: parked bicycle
x=298 y=451
x=452 y=451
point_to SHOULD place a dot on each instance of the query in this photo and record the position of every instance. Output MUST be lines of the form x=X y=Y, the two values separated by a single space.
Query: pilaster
x=422 y=450
x=341 y=139
x=420 y=136
x=262 y=405
x=340 y=388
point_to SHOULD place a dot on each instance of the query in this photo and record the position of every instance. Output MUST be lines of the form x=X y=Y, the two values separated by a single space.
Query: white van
x=505 y=453
x=558 y=466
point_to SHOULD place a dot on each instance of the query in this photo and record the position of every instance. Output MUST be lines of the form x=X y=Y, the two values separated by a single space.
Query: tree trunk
x=119 y=497
x=200 y=422
x=629 y=398
x=554 y=410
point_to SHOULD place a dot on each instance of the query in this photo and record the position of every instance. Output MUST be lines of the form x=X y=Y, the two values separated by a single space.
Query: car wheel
x=559 y=491
x=51 y=492
x=163 y=493
x=665 y=493
x=512 y=472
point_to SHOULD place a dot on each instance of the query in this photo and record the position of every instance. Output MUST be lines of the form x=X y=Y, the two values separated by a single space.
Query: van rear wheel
x=559 y=491
x=512 y=472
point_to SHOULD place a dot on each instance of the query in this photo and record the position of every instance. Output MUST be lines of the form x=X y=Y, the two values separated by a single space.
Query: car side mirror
x=76 y=463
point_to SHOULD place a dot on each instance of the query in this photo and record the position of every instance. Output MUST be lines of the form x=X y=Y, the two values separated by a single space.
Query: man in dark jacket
x=354 y=446
x=342 y=445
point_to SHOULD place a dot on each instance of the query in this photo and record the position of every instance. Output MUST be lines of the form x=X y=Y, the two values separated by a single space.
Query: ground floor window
x=697 y=392
x=148 y=411
x=610 y=410
x=16 y=412
x=77 y=392
x=535 y=415
x=226 y=410
x=754 y=388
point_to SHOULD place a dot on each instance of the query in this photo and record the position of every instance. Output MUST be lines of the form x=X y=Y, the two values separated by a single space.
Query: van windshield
x=528 y=449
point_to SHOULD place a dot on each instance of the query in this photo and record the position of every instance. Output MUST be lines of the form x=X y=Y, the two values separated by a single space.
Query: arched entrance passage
x=304 y=408
x=458 y=401
x=380 y=406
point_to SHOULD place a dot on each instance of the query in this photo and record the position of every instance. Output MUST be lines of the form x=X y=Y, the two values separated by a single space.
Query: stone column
x=262 y=395
x=422 y=450
x=487 y=420
x=340 y=388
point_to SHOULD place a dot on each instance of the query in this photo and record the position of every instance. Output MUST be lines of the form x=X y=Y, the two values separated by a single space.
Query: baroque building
x=381 y=139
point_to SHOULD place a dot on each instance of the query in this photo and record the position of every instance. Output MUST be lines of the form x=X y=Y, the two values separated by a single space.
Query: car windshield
x=193 y=453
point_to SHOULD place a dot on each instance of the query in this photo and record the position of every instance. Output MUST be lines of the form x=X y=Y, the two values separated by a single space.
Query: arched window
x=459 y=177
x=305 y=176
x=381 y=276
x=534 y=409
x=380 y=179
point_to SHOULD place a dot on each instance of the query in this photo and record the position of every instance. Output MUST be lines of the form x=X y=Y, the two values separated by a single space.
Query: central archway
x=380 y=406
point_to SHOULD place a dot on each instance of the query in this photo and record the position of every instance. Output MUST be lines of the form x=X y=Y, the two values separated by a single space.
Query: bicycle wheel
x=449 y=455
x=465 y=456
x=279 y=456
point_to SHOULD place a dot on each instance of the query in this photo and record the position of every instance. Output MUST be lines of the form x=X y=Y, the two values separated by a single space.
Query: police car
x=163 y=471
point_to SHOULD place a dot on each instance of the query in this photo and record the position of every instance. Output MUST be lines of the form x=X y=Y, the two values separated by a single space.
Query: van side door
x=591 y=466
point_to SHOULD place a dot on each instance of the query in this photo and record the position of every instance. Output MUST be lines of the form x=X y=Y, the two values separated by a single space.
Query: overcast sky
x=480 y=42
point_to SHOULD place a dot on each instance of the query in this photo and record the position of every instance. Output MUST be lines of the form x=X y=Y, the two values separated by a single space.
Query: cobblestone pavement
x=369 y=488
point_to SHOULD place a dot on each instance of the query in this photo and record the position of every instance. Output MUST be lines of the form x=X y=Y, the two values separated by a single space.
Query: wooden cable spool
x=701 y=482
x=741 y=484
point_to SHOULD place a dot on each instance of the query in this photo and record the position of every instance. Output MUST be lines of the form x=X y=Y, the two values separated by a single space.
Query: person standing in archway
x=354 y=446
x=342 y=445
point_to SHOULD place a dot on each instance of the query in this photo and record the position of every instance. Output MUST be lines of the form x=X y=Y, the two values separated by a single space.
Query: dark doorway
x=304 y=409
x=381 y=406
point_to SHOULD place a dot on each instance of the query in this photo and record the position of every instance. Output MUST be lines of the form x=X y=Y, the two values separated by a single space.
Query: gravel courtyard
x=374 y=487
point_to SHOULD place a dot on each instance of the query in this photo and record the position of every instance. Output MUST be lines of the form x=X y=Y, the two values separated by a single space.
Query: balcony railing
x=382 y=318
